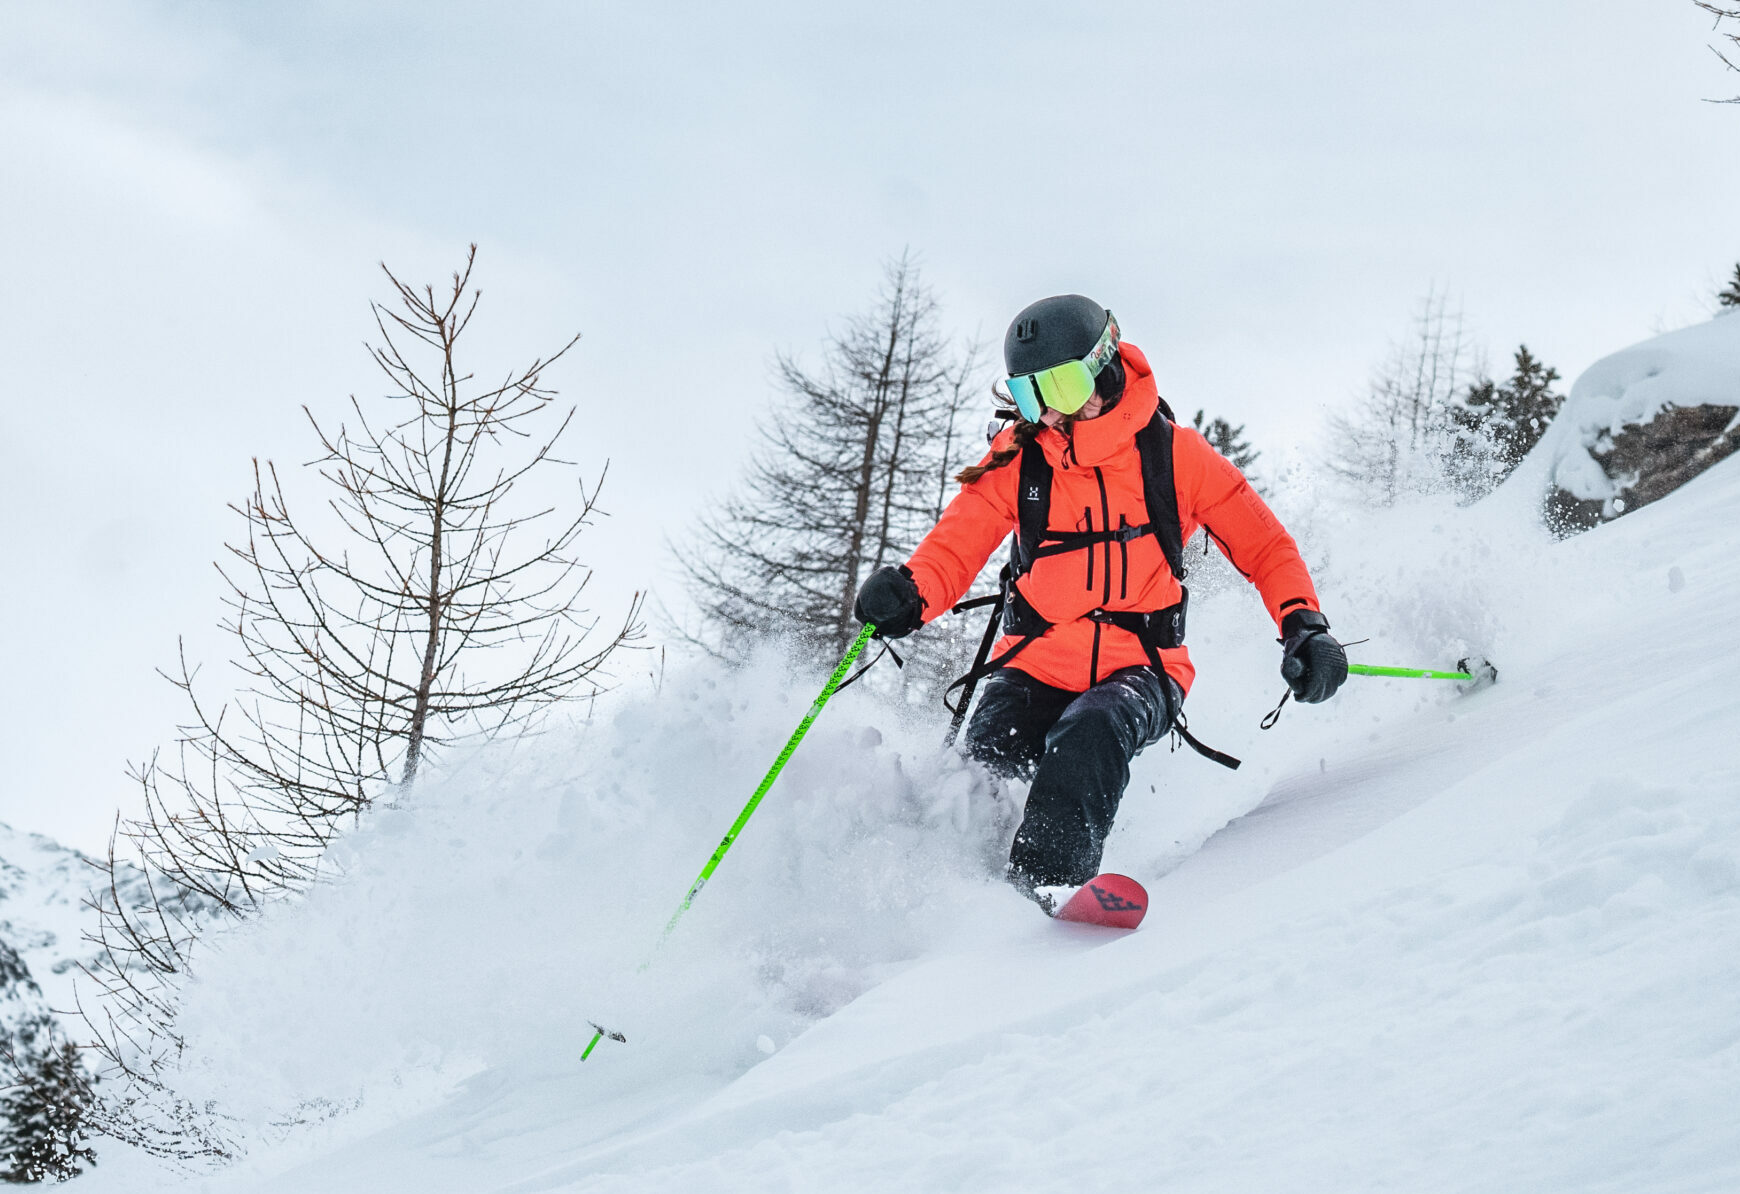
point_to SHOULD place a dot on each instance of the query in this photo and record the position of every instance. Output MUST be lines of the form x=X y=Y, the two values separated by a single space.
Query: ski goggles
x=1064 y=388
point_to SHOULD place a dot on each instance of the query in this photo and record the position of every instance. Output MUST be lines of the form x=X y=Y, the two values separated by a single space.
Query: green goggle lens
x=1064 y=388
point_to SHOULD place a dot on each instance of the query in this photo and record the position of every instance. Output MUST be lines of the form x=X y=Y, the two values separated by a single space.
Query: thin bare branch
x=431 y=609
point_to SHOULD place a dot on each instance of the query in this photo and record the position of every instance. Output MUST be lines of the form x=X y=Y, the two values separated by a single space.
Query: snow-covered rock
x=1640 y=423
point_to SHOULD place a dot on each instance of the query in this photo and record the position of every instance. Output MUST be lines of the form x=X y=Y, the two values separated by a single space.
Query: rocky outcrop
x=1645 y=462
x=1641 y=423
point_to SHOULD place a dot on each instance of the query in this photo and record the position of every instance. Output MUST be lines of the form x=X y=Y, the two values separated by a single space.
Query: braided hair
x=1109 y=385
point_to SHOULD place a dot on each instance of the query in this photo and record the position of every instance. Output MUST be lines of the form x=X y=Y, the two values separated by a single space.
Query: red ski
x=1112 y=901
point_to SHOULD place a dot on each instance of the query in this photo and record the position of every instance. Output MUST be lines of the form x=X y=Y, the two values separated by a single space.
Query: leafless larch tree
x=428 y=603
x=853 y=469
x=1402 y=435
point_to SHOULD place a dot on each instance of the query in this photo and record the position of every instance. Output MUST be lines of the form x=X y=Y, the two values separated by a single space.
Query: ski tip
x=1109 y=901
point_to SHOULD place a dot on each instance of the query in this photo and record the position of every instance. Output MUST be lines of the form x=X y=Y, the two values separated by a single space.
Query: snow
x=1421 y=941
x=42 y=913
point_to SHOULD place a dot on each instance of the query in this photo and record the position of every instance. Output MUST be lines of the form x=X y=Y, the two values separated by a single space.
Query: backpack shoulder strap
x=1160 y=490
x=1032 y=504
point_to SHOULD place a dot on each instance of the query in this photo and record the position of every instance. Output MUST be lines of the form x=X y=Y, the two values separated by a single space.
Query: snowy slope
x=42 y=913
x=1481 y=942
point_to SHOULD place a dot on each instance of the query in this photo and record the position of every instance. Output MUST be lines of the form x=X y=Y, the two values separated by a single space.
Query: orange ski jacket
x=1097 y=485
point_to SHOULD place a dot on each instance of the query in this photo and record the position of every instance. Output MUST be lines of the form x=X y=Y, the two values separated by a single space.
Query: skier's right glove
x=891 y=601
x=1312 y=662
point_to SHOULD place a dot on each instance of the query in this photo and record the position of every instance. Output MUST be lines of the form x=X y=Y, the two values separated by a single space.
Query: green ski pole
x=1406 y=673
x=791 y=745
x=828 y=690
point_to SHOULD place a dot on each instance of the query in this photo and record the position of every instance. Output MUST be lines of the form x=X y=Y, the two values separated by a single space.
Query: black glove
x=891 y=601
x=1312 y=662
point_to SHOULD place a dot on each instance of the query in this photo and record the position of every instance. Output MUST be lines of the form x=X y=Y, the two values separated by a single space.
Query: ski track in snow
x=1482 y=942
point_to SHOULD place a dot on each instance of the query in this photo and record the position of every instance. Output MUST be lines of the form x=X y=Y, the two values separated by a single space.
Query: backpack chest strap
x=1054 y=543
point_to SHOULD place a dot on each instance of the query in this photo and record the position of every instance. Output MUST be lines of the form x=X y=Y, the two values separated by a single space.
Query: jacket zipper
x=1087 y=518
x=1094 y=661
x=1124 y=557
x=1106 y=522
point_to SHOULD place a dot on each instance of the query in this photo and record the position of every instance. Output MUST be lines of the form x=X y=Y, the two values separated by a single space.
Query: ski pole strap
x=1274 y=715
x=1369 y=669
x=887 y=649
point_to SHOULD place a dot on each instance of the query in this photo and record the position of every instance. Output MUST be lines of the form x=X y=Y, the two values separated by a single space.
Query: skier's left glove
x=1312 y=662
x=891 y=601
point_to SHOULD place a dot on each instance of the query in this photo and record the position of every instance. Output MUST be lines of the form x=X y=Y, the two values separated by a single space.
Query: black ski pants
x=1076 y=747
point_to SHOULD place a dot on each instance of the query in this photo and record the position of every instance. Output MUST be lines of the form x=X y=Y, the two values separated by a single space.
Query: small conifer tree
x=1731 y=296
x=1228 y=440
x=1513 y=416
x=42 y=1130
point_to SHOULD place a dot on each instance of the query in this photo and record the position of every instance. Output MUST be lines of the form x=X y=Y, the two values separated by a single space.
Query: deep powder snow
x=1421 y=941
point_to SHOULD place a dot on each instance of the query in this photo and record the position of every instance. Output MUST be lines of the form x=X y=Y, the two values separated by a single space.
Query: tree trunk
x=435 y=607
x=878 y=410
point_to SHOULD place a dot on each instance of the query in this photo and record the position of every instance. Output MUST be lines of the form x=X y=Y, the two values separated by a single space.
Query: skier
x=1091 y=667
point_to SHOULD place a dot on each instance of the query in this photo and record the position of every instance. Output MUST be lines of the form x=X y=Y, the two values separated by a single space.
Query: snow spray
x=791 y=745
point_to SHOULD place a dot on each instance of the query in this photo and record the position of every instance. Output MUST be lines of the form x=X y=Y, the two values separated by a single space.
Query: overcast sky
x=195 y=196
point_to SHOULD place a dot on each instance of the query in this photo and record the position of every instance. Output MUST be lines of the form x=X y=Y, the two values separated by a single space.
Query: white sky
x=195 y=194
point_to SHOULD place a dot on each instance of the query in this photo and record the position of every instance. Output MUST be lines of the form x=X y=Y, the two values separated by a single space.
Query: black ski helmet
x=1064 y=327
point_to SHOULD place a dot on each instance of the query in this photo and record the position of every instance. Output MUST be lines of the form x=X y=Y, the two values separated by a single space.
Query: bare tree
x=850 y=474
x=1724 y=13
x=435 y=605
x=967 y=371
x=1400 y=437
